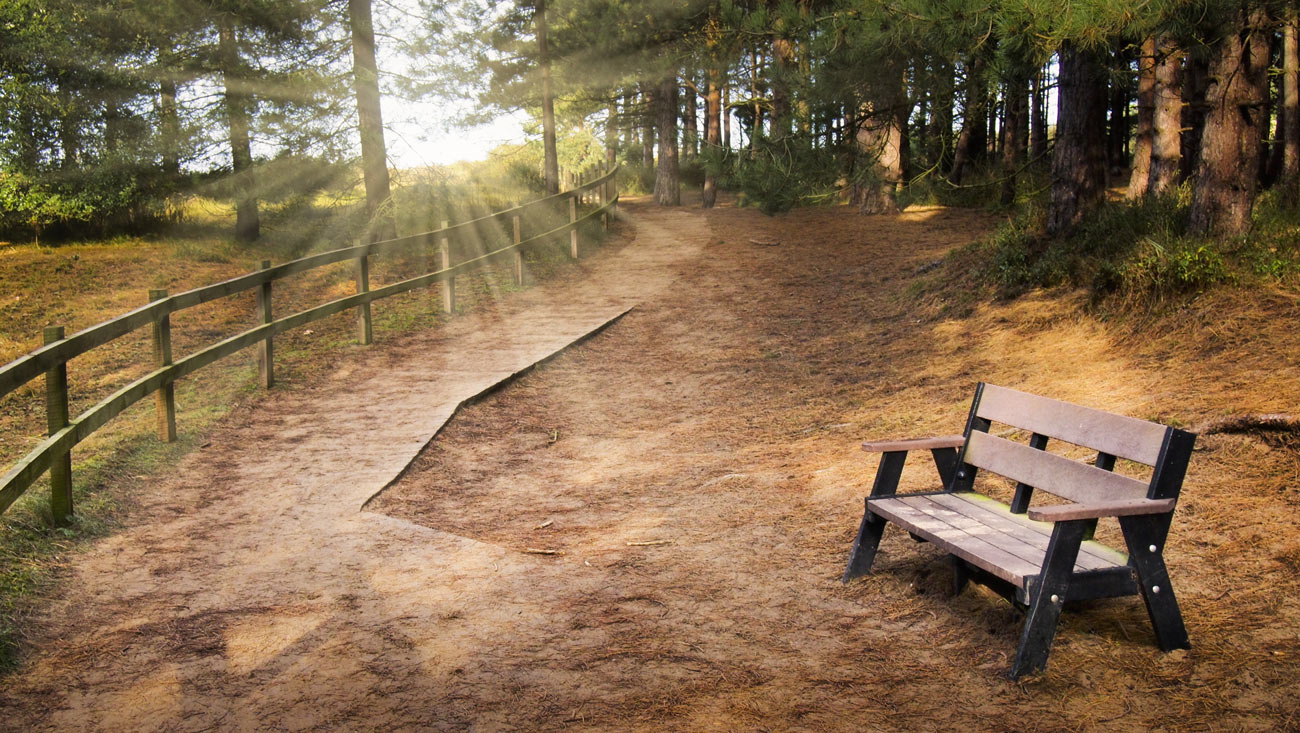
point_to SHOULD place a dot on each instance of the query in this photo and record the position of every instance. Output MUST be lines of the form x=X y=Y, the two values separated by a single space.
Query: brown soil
x=695 y=468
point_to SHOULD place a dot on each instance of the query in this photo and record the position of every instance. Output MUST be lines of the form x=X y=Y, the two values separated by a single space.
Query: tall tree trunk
x=374 y=155
x=880 y=141
x=1196 y=80
x=170 y=126
x=1014 y=133
x=1139 y=175
x=757 y=131
x=726 y=116
x=974 y=128
x=690 y=120
x=667 y=175
x=1118 y=129
x=1166 y=143
x=551 y=160
x=712 y=135
x=1227 y=173
x=784 y=62
x=611 y=133
x=647 y=125
x=1038 y=118
x=247 y=222
x=1290 y=174
x=1079 y=160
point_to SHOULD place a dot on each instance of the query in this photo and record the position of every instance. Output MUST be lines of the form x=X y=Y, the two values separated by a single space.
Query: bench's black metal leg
x=960 y=578
x=1048 y=595
x=863 y=554
x=945 y=461
x=1145 y=536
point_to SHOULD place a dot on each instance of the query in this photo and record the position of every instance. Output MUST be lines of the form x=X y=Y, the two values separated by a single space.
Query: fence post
x=448 y=285
x=266 y=353
x=165 y=397
x=56 y=419
x=604 y=202
x=519 y=254
x=365 y=333
x=573 y=222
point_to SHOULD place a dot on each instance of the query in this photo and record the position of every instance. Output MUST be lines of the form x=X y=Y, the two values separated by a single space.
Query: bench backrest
x=1163 y=448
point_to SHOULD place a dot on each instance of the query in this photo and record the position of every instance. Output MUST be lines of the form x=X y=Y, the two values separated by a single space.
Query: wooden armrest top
x=1124 y=508
x=890 y=446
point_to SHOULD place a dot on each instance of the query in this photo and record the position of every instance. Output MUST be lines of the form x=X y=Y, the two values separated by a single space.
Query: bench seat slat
x=997 y=514
x=1118 y=435
x=971 y=527
x=978 y=551
x=1078 y=482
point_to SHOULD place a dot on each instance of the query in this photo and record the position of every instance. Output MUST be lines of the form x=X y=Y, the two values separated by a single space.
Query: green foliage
x=781 y=174
x=1137 y=253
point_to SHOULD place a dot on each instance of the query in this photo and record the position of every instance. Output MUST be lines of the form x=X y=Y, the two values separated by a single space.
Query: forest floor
x=694 y=468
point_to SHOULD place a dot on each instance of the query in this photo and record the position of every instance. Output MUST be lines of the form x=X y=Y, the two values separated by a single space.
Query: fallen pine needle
x=545 y=524
x=649 y=543
x=535 y=551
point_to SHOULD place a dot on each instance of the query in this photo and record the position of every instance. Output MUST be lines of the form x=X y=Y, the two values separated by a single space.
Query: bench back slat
x=1068 y=479
x=1117 y=435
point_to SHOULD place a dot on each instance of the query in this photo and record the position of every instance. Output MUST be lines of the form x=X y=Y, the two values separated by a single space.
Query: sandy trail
x=254 y=564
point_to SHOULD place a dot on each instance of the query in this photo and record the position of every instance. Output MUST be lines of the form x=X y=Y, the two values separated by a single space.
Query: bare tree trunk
x=247 y=222
x=1079 y=160
x=1139 y=176
x=712 y=135
x=880 y=140
x=757 y=131
x=667 y=175
x=726 y=116
x=1038 y=118
x=1166 y=143
x=1228 y=170
x=647 y=126
x=1013 y=134
x=1196 y=80
x=611 y=133
x=1290 y=175
x=551 y=160
x=784 y=58
x=974 y=123
x=170 y=124
x=374 y=155
x=690 y=120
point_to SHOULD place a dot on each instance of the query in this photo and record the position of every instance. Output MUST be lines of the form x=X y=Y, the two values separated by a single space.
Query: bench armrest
x=1125 y=508
x=892 y=446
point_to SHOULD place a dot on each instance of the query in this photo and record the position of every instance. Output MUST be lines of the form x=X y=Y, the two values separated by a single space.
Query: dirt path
x=695 y=468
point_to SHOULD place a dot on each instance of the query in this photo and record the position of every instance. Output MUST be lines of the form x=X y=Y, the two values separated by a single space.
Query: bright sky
x=419 y=133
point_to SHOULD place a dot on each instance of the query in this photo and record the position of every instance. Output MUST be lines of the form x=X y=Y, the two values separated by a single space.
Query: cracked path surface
x=252 y=591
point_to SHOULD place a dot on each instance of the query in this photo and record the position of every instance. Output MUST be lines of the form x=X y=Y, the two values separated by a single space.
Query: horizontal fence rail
x=53 y=454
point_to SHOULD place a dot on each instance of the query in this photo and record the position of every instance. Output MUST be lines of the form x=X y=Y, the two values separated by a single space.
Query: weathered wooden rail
x=65 y=432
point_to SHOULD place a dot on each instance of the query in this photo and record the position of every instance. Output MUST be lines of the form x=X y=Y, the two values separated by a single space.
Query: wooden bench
x=1040 y=557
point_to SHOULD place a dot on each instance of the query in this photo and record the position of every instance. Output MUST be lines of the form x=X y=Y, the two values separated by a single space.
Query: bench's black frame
x=1044 y=595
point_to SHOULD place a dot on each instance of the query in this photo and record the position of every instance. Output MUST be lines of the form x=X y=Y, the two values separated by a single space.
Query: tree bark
x=667 y=175
x=880 y=141
x=647 y=126
x=1014 y=134
x=1118 y=129
x=690 y=119
x=1079 y=160
x=1166 y=138
x=712 y=135
x=725 y=116
x=1038 y=118
x=611 y=133
x=170 y=126
x=783 y=56
x=1139 y=176
x=551 y=160
x=974 y=128
x=1195 y=82
x=247 y=222
x=374 y=154
x=1290 y=174
x=1228 y=169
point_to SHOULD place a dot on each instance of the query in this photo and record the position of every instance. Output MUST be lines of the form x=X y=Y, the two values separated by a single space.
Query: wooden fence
x=65 y=432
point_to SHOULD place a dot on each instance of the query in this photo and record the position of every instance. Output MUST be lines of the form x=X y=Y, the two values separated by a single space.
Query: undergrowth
x=1137 y=255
